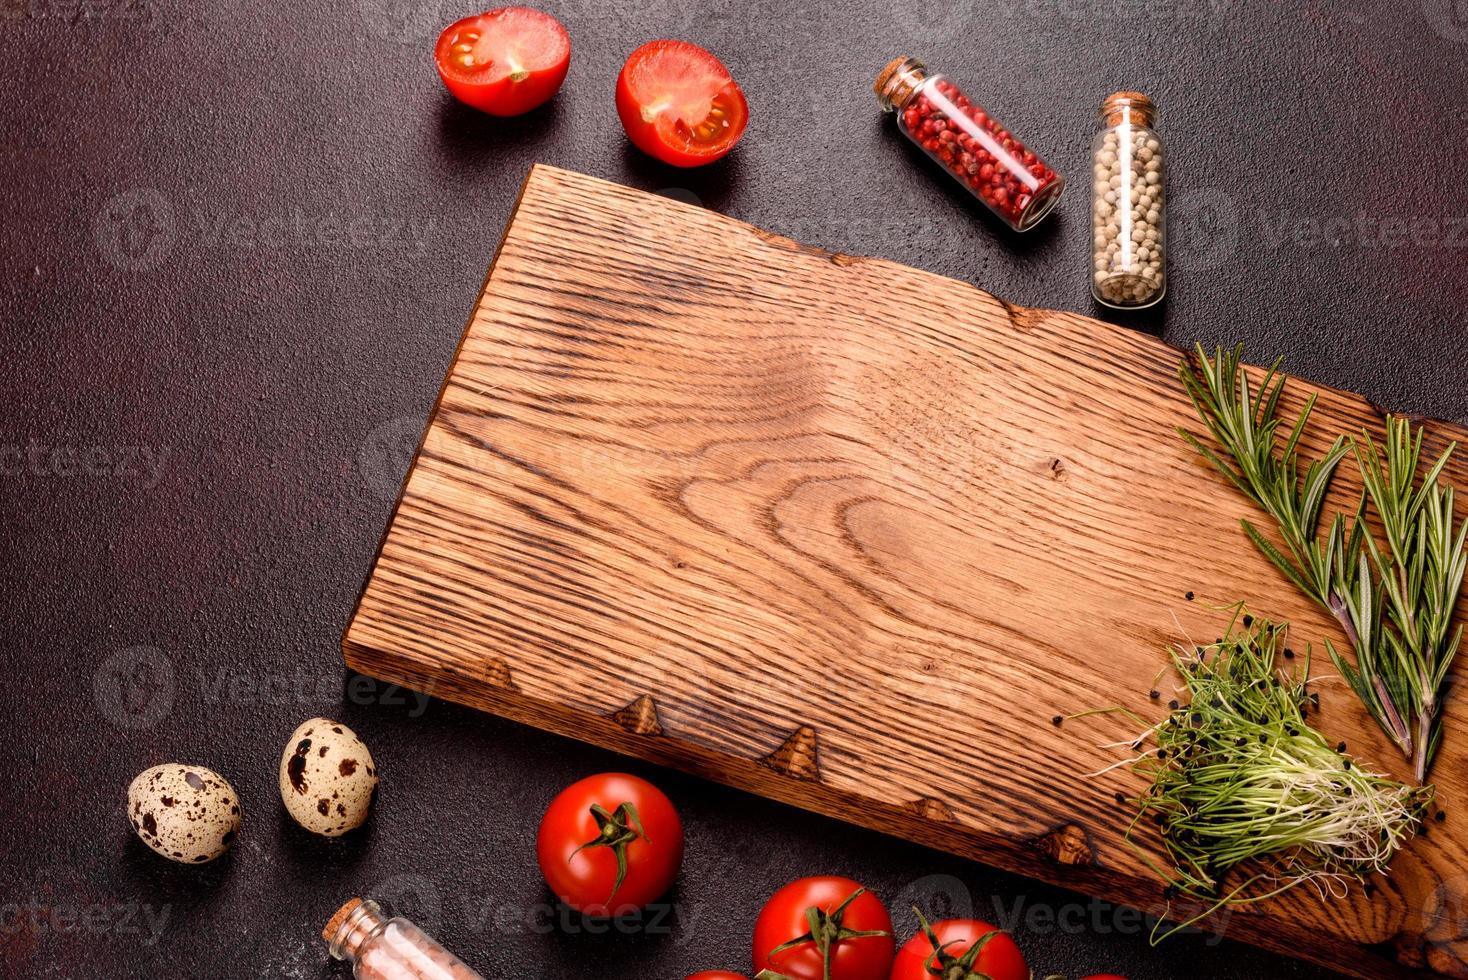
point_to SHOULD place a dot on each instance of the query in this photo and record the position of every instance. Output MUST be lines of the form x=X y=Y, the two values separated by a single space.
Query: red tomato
x=506 y=61
x=966 y=947
x=850 y=939
x=679 y=103
x=609 y=844
x=717 y=975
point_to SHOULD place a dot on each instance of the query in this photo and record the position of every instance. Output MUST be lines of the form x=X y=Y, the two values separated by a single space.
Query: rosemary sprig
x=1394 y=605
x=1241 y=785
x=1421 y=574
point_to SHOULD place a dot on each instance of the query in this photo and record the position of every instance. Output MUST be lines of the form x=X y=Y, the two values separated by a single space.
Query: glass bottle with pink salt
x=383 y=948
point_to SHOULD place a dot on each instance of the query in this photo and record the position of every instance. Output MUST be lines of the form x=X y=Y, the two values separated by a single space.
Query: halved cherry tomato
x=824 y=928
x=965 y=947
x=679 y=103
x=610 y=844
x=505 y=61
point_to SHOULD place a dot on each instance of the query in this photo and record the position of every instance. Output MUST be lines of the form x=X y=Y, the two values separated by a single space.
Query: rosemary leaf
x=1394 y=599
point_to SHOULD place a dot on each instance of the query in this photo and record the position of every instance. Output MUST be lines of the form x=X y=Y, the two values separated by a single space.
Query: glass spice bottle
x=1128 y=205
x=969 y=143
x=382 y=948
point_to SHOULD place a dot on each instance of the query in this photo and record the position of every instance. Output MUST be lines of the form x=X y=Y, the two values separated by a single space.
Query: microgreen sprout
x=1395 y=603
x=1249 y=800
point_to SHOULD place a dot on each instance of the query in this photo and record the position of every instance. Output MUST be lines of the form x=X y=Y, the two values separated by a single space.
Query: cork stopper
x=352 y=925
x=1132 y=107
x=897 y=83
x=334 y=924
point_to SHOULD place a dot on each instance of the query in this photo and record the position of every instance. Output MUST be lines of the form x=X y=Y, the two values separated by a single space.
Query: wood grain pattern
x=848 y=535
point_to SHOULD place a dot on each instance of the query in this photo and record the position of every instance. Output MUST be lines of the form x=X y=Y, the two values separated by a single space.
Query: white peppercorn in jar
x=1128 y=205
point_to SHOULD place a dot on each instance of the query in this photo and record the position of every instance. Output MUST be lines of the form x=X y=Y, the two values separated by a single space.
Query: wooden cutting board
x=848 y=535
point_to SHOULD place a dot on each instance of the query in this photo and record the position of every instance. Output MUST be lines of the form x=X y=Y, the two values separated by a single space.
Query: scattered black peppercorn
x=1341 y=747
x=1162 y=753
x=1248 y=620
x=1172 y=705
x=1348 y=764
x=1057 y=720
x=1154 y=695
x=1440 y=816
x=1121 y=798
x=1289 y=654
x=1188 y=596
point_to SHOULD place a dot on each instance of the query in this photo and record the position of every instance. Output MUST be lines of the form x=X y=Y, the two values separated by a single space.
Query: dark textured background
x=245 y=237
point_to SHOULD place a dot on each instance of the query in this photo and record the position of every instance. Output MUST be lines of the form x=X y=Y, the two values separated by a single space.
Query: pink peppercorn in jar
x=969 y=143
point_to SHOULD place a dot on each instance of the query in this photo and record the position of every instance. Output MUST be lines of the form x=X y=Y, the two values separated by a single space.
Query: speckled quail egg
x=186 y=813
x=327 y=778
